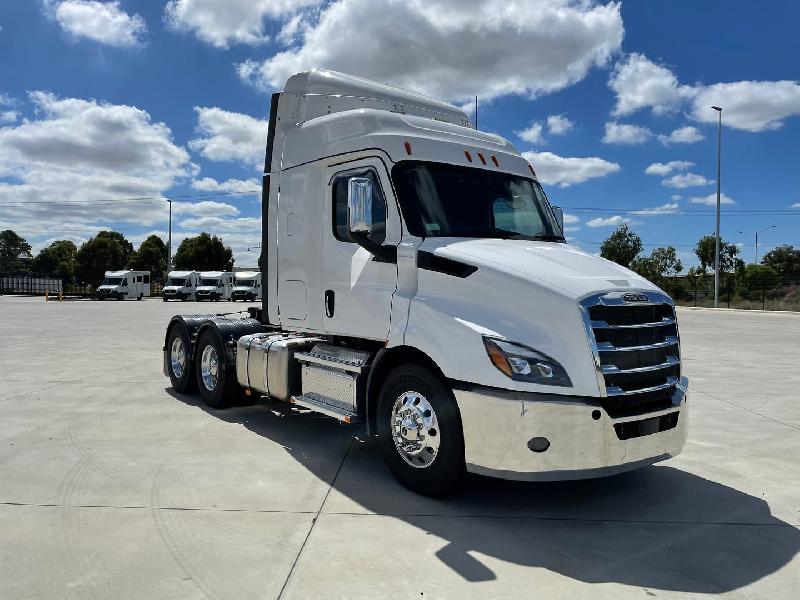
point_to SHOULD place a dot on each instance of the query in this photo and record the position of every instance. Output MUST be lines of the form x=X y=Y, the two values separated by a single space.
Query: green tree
x=760 y=277
x=203 y=253
x=784 y=260
x=661 y=264
x=107 y=251
x=57 y=259
x=15 y=252
x=729 y=260
x=622 y=246
x=151 y=256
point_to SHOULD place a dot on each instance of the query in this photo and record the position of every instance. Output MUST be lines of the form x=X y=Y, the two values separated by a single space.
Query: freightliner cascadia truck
x=417 y=281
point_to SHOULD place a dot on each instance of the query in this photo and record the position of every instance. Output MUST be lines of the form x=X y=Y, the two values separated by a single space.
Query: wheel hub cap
x=177 y=356
x=415 y=429
x=209 y=367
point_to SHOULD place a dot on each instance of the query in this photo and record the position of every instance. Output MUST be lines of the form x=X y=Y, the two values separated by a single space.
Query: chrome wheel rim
x=177 y=357
x=415 y=430
x=209 y=368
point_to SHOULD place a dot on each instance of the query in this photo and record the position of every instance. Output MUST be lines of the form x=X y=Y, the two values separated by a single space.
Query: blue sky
x=107 y=106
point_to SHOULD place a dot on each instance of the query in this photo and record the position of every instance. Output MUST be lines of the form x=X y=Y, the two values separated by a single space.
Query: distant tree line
x=110 y=251
x=777 y=275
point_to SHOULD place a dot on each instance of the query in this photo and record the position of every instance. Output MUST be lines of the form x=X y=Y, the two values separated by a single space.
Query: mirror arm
x=382 y=253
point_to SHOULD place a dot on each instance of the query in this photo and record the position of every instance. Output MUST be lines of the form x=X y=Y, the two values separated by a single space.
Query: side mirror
x=359 y=205
x=559 y=214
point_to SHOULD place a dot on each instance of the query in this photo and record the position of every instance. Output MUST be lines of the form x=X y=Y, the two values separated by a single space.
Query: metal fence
x=772 y=294
x=29 y=285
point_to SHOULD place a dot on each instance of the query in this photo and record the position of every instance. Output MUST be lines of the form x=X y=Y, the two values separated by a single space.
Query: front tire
x=179 y=364
x=218 y=386
x=419 y=431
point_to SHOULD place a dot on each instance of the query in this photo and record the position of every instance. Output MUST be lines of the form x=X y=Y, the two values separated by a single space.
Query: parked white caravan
x=181 y=285
x=124 y=284
x=215 y=285
x=417 y=279
x=247 y=286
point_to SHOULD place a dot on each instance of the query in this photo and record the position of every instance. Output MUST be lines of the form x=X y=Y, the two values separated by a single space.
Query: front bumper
x=498 y=424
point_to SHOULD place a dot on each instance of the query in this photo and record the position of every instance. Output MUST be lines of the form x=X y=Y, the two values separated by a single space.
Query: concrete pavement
x=113 y=486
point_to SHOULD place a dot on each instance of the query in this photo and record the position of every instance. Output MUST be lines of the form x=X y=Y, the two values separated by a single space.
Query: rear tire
x=419 y=431
x=179 y=363
x=217 y=384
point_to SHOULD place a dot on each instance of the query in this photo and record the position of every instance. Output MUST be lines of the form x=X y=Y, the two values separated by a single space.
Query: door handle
x=330 y=298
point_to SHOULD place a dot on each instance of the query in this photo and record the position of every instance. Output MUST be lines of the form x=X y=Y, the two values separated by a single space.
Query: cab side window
x=341 y=231
x=124 y=282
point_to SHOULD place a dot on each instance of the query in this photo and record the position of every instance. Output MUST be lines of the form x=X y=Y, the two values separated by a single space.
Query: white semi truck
x=417 y=280
x=214 y=286
x=247 y=286
x=180 y=285
x=124 y=284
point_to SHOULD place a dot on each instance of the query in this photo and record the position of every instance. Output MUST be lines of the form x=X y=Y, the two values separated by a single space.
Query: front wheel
x=419 y=431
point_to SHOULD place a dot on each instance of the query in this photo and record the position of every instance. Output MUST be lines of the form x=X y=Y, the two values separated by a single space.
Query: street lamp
x=755 y=260
x=719 y=165
x=169 y=242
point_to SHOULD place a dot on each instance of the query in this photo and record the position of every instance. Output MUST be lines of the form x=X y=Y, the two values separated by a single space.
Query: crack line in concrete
x=314 y=520
x=750 y=410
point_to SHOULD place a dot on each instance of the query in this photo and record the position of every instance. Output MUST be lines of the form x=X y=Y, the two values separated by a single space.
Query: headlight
x=521 y=363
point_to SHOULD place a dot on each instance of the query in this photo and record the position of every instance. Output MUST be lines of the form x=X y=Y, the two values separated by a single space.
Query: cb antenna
x=476 y=113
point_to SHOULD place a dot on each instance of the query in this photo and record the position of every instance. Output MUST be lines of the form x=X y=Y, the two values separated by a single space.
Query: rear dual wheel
x=215 y=380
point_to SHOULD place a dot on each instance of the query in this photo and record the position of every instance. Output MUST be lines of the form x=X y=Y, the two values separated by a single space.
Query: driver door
x=357 y=287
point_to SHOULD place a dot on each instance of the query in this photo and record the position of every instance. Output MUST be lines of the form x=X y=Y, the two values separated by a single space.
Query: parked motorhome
x=124 y=284
x=214 y=285
x=247 y=286
x=181 y=285
x=417 y=279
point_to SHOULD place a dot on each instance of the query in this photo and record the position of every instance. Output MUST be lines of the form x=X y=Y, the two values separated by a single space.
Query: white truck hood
x=559 y=267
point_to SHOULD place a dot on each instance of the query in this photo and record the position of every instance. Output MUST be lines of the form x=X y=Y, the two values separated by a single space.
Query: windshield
x=209 y=282
x=177 y=282
x=440 y=200
x=112 y=281
x=246 y=282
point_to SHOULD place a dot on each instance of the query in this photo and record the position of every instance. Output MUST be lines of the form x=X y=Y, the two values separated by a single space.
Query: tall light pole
x=719 y=169
x=169 y=242
x=755 y=260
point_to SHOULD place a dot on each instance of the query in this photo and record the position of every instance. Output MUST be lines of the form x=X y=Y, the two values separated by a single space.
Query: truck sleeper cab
x=180 y=285
x=417 y=281
x=124 y=284
x=214 y=286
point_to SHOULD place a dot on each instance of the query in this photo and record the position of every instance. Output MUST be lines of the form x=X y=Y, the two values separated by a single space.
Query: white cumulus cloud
x=711 y=200
x=624 y=133
x=236 y=186
x=453 y=49
x=552 y=169
x=221 y=23
x=80 y=163
x=670 y=208
x=559 y=124
x=753 y=106
x=614 y=221
x=229 y=136
x=684 y=180
x=103 y=22
x=532 y=134
x=667 y=168
x=682 y=135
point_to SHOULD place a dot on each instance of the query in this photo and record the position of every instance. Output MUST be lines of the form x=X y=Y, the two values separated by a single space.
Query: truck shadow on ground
x=658 y=527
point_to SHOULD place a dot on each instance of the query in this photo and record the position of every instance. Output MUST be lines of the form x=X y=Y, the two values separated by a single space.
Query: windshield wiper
x=547 y=237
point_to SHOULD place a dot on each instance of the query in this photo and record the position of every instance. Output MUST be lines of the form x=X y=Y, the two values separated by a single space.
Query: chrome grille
x=636 y=349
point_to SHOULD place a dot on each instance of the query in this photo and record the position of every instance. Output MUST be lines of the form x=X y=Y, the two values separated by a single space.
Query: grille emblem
x=635 y=298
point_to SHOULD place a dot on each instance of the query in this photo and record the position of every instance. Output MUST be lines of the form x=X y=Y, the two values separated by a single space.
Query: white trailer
x=417 y=280
x=180 y=285
x=247 y=286
x=214 y=285
x=124 y=284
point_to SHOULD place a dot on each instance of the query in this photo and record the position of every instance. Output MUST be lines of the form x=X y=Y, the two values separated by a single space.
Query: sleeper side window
x=341 y=231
